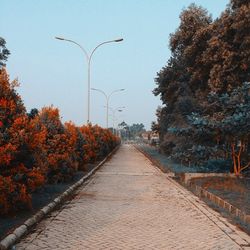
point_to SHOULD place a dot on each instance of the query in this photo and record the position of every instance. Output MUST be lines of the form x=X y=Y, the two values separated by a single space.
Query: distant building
x=146 y=135
x=150 y=137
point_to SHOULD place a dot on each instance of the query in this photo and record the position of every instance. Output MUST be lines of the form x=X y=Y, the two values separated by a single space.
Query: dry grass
x=236 y=191
x=224 y=184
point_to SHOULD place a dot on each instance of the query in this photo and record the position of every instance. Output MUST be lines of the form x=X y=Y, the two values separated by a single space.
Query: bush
x=37 y=147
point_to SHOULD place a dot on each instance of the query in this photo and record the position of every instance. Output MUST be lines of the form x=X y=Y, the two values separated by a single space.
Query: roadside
x=47 y=195
x=40 y=198
x=130 y=204
x=235 y=191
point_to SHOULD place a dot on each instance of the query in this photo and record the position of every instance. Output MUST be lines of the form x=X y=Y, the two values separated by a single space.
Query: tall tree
x=176 y=83
x=19 y=143
x=228 y=50
x=206 y=56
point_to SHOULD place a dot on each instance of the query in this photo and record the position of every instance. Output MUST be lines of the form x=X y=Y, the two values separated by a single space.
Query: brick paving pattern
x=130 y=204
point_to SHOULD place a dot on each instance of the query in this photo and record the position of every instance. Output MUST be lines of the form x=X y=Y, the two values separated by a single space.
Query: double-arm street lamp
x=88 y=58
x=107 y=101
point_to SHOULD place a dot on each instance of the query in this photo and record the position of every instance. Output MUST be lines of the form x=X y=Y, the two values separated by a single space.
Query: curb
x=20 y=231
x=234 y=211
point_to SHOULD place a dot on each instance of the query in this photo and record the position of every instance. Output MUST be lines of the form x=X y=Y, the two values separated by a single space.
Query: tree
x=36 y=147
x=125 y=133
x=78 y=144
x=33 y=113
x=229 y=124
x=59 y=145
x=228 y=50
x=136 y=129
x=131 y=131
x=155 y=125
x=235 y=4
x=19 y=175
x=4 y=52
x=177 y=84
x=207 y=56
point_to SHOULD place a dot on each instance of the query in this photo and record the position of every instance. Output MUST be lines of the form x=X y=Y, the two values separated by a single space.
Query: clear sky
x=55 y=72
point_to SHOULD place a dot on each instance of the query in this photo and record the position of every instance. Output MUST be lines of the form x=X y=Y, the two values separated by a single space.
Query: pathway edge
x=238 y=236
x=25 y=228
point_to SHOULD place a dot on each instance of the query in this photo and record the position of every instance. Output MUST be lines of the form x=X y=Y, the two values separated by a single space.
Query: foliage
x=99 y=141
x=221 y=130
x=4 y=52
x=36 y=148
x=58 y=146
x=155 y=125
x=228 y=124
x=17 y=142
x=131 y=131
x=228 y=50
x=207 y=57
x=177 y=84
x=33 y=113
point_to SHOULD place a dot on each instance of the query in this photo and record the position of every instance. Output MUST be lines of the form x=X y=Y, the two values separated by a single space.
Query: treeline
x=37 y=148
x=205 y=117
x=131 y=132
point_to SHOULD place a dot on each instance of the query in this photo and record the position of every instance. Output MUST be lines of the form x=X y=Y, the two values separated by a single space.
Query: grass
x=236 y=191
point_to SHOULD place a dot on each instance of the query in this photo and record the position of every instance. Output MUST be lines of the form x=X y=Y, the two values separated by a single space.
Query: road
x=130 y=204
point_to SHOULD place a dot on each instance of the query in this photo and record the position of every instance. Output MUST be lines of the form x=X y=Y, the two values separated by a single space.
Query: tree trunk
x=234 y=158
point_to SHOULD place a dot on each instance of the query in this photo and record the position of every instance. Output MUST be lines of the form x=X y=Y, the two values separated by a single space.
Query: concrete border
x=187 y=177
x=234 y=211
x=23 y=229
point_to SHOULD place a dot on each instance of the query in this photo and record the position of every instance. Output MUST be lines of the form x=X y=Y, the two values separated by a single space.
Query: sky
x=53 y=72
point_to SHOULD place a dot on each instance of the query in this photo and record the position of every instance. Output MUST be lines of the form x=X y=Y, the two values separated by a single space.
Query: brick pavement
x=130 y=204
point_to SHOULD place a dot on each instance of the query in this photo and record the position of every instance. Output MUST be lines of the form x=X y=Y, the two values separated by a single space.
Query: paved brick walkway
x=129 y=204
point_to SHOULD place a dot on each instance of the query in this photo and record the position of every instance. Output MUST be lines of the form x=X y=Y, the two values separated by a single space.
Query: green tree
x=227 y=121
x=4 y=52
x=179 y=88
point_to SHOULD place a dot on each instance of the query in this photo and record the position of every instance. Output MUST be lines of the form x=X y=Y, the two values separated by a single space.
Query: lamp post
x=88 y=58
x=119 y=109
x=107 y=101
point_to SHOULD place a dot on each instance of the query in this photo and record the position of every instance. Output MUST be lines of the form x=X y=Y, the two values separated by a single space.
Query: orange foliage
x=38 y=148
x=13 y=196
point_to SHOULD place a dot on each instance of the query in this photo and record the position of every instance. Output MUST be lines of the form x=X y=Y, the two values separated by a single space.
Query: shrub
x=37 y=147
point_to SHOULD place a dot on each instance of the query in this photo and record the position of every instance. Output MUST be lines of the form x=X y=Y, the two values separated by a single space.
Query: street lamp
x=119 y=109
x=88 y=58
x=107 y=101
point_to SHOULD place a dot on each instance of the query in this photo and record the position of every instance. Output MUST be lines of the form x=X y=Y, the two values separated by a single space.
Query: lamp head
x=118 y=40
x=59 y=38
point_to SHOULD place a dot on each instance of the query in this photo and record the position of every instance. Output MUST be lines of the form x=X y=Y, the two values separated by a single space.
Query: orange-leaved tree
x=18 y=176
x=100 y=141
x=91 y=144
x=59 y=145
x=78 y=144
